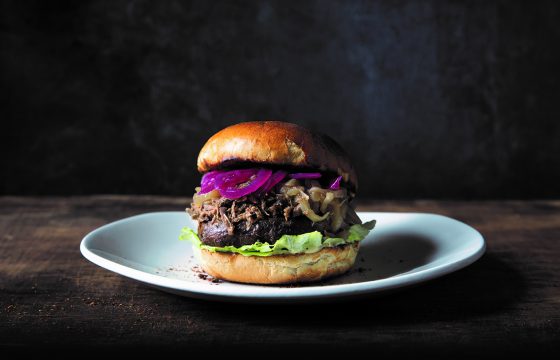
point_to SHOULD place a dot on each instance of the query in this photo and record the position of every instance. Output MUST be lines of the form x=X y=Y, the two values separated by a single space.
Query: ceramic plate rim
x=207 y=291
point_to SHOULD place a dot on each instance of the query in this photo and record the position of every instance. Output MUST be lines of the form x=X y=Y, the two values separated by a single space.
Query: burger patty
x=264 y=230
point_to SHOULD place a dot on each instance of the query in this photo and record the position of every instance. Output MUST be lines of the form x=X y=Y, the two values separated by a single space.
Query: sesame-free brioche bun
x=275 y=143
x=280 y=269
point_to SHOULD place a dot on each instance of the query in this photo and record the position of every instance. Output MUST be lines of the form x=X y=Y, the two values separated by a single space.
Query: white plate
x=404 y=249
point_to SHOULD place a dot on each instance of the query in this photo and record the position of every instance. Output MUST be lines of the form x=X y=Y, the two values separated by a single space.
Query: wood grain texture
x=50 y=296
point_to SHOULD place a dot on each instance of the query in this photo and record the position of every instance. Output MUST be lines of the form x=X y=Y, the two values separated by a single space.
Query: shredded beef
x=246 y=209
x=223 y=222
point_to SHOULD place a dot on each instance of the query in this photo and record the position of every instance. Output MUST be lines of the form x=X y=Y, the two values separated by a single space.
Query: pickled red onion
x=336 y=183
x=315 y=175
x=274 y=179
x=208 y=181
x=238 y=183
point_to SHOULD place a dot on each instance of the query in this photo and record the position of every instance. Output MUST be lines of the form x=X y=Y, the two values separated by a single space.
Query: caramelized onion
x=307 y=211
x=292 y=182
x=328 y=198
x=293 y=191
x=316 y=195
x=199 y=198
x=337 y=219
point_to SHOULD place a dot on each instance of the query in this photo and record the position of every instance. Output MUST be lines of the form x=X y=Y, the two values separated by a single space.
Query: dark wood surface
x=52 y=297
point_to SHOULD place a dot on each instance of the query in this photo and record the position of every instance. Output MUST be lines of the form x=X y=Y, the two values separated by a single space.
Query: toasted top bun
x=280 y=269
x=275 y=143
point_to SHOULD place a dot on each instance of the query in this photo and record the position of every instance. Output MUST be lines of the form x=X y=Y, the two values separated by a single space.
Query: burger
x=275 y=205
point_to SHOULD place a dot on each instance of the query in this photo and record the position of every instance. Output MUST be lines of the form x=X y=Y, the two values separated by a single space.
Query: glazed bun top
x=275 y=143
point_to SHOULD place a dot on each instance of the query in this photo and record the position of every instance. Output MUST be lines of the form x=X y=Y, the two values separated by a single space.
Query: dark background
x=432 y=99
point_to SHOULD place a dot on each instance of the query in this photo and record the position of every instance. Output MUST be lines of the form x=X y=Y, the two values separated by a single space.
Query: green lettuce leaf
x=288 y=244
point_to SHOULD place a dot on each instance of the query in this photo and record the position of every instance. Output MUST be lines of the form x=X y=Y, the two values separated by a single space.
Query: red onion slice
x=208 y=182
x=315 y=175
x=234 y=177
x=238 y=183
x=274 y=179
x=336 y=183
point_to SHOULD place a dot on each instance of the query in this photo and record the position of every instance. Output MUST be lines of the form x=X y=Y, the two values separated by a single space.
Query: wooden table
x=51 y=297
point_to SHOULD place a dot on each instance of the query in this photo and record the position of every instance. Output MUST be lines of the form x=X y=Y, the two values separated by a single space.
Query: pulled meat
x=246 y=210
x=293 y=210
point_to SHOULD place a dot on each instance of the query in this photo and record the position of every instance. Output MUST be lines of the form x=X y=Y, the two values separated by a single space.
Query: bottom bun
x=280 y=269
